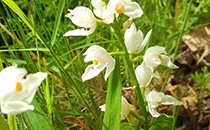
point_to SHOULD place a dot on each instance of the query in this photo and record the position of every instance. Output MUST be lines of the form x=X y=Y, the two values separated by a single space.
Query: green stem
x=116 y=53
x=100 y=22
x=138 y=58
x=132 y=72
x=176 y=115
x=137 y=116
x=12 y=122
x=209 y=125
x=1 y=65
x=178 y=44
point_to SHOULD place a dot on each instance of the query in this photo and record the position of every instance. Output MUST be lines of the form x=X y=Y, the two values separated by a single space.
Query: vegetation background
x=35 y=41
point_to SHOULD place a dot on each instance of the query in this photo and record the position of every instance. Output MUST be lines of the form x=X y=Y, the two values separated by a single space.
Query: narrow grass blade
x=57 y=21
x=3 y=124
x=178 y=43
x=20 y=13
x=113 y=100
x=21 y=122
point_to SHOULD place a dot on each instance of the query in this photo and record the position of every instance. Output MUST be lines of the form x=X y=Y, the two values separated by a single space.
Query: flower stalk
x=12 y=122
x=138 y=58
x=137 y=116
x=132 y=72
x=116 y=53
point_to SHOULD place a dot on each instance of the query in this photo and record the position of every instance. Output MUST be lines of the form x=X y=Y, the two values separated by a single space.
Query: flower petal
x=153 y=112
x=109 y=68
x=167 y=62
x=99 y=7
x=169 y=100
x=80 y=32
x=125 y=108
x=144 y=75
x=102 y=107
x=15 y=107
x=156 y=49
x=82 y=17
x=153 y=98
x=97 y=52
x=144 y=41
x=12 y=73
x=133 y=39
x=30 y=84
x=92 y=71
x=152 y=60
x=108 y=16
x=132 y=9
x=8 y=91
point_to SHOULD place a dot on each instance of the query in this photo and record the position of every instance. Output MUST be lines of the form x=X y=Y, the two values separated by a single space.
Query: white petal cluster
x=154 y=56
x=115 y=7
x=16 y=93
x=144 y=75
x=134 y=39
x=82 y=17
x=99 y=7
x=101 y=60
x=156 y=99
x=125 y=108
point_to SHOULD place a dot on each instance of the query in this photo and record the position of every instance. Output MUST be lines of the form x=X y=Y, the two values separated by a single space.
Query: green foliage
x=40 y=25
x=163 y=122
x=127 y=126
x=3 y=124
x=37 y=119
x=113 y=100
x=203 y=78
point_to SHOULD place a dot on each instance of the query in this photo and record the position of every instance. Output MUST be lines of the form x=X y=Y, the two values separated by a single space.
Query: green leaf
x=163 y=122
x=3 y=124
x=113 y=100
x=36 y=119
x=127 y=126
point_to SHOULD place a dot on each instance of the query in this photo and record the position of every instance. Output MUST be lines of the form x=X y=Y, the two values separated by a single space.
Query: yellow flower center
x=160 y=57
x=95 y=62
x=120 y=10
x=18 y=86
x=159 y=103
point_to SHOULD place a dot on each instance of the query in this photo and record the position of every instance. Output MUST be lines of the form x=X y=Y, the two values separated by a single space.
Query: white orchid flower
x=17 y=93
x=154 y=57
x=82 y=17
x=156 y=99
x=127 y=7
x=144 y=75
x=101 y=59
x=99 y=7
x=134 y=40
x=125 y=108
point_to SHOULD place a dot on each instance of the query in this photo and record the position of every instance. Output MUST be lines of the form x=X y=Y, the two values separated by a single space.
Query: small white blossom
x=154 y=57
x=127 y=7
x=144 y=75
x=125 y=108
x=82 y=17
x=99 y=7
x=156 y=99
x=17 y=93
x=101 y=59
x=134 y=40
